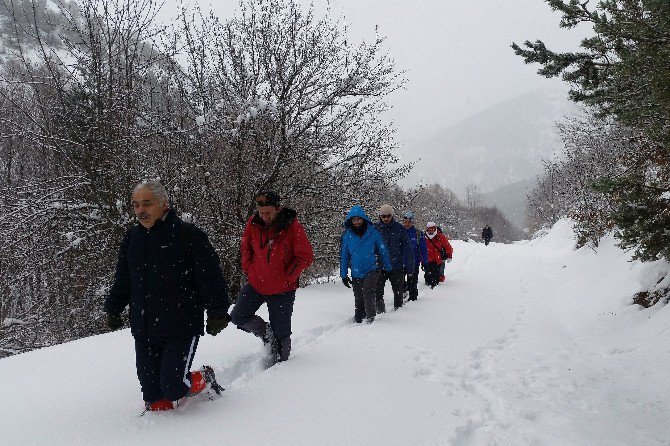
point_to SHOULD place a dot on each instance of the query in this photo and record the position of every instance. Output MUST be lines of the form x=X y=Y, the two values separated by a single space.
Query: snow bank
x=524 y=344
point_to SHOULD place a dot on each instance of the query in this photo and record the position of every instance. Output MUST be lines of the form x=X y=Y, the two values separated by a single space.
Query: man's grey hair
x=156 y=188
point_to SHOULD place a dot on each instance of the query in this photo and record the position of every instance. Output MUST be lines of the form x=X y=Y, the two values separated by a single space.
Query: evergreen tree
x=624 y=73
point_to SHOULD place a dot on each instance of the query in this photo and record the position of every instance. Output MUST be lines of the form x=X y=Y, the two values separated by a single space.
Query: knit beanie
x=386 y=209
x=430 y=224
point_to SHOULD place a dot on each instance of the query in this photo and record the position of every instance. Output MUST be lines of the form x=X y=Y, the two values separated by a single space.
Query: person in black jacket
x=487 y=234
x=168 y=273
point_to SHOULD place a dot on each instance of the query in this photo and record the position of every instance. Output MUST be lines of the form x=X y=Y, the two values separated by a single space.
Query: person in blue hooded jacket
x=363 y=251
x=400 y=253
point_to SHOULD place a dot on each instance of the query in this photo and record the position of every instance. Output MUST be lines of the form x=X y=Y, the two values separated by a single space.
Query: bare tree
x=594 y=148
x=76 y=87
x=287 y=103
x=94 y=98
x=473 y=196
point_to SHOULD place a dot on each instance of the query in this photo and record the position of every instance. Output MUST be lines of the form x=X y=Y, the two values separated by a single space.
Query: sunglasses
x=386 y=216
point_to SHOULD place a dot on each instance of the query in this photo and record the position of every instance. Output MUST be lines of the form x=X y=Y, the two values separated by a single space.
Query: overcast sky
x=456 y=52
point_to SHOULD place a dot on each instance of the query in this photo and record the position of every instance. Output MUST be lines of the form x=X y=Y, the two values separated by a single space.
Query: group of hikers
x=388 y=250
x=169 y=275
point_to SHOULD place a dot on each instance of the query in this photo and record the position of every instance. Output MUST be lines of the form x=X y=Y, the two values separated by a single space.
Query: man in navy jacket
x=168 y=273
x=418 y=242
x=401 y=254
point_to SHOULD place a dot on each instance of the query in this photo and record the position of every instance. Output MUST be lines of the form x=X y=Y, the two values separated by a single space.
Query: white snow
x=526 y=344
x=8 y=321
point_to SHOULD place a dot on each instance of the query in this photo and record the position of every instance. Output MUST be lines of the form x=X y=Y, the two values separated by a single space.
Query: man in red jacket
x=275 y=251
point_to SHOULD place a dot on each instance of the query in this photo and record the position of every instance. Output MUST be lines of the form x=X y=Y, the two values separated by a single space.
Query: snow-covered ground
x=525 y=344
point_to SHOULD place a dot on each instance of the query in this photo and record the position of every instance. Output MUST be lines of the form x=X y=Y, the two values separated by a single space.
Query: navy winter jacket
x=398 y=245
x=362 y=253
x=418 y=241
x=169 y=274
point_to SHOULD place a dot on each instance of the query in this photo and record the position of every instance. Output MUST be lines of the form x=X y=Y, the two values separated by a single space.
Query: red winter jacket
x=434 y=245
x=273 y=258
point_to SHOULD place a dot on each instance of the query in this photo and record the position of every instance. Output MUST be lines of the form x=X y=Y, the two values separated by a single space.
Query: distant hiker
x=417 y=241
x=168 y=272
x=487 y=234
x=400 y=253
x=439 y=251
x=362 y=249
x=275 y=251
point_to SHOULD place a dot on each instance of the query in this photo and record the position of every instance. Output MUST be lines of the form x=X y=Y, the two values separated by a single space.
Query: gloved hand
x=346 y=281
x=216 y=324
x=448 y=259
x=423 y=268
x=114 y=321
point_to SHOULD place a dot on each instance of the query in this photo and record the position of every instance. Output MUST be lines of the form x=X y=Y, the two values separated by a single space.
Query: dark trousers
x=411 y=284
x=432 y=274
x=364 y=296
x=163 y=367
x=280 y=310
x=397 y=277
x=486 y=241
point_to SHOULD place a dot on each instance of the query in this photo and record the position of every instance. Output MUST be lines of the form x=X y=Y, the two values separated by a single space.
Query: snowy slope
x=531 y=343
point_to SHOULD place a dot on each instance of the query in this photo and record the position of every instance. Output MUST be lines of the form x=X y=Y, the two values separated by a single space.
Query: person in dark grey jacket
x=400 y=253
x=168 y=273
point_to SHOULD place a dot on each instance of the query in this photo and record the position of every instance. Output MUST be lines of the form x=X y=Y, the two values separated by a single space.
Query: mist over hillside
x=497 y=147
x=510 y=200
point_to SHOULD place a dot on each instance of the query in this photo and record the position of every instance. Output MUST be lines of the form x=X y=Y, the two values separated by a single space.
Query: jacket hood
x=356 y=211
x=284 y=219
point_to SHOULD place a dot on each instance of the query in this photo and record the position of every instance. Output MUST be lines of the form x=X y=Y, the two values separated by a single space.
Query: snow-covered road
x=524 y=344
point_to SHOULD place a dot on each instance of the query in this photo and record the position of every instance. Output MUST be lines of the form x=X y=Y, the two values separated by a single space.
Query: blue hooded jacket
x=398 y=245
x=362 y=254
x=418 y=241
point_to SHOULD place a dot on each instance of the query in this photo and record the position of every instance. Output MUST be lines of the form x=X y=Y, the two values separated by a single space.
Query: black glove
x=216 y=324
x=346 y=281
x=422 y=267
x=114 y=321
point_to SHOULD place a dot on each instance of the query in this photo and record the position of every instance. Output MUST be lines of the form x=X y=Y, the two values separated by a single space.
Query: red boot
x=198 y=383
x=159 y=405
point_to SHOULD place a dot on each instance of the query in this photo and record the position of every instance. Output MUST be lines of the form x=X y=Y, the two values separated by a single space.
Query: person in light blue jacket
x=363 y=251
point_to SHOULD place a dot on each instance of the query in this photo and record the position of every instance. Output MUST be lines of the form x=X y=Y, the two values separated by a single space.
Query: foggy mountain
x=501 y=146
x=510 y=200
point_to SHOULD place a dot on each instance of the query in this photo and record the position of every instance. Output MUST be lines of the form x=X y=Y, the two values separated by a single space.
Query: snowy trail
x=524 y=344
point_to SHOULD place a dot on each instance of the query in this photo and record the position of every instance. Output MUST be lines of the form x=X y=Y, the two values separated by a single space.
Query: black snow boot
x=283 y=349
